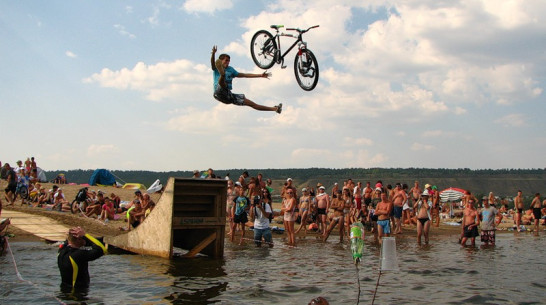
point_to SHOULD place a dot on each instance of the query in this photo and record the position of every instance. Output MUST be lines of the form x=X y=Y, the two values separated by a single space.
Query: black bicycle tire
x=23 y=194
x=316 y=67
x=253 y=49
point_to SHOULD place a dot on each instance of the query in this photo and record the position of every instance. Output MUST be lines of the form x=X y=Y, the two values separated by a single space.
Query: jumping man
x=223 y=77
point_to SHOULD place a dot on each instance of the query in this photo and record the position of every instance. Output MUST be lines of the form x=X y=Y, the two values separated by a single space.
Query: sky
x=127 y=85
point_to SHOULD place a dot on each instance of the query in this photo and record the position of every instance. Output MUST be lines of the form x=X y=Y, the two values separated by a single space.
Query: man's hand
x=214 y=48
x=77 y=232
x=266 y=74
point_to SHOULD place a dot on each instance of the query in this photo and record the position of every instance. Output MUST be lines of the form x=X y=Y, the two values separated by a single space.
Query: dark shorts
x=469 y=233
x=520 y=211
x=488 y=236
x=367 y=201
x=537 y=213
x=397 y=212
x=227 y=97
x=321 y=211
x=11 y=188
x=240 y=218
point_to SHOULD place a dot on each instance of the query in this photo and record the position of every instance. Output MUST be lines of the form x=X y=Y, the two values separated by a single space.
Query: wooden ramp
x=41 y=226
x=191 y=215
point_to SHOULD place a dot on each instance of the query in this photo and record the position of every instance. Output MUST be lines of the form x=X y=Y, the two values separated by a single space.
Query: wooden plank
x=180 y=222
x=41 y=226
x=205 y=242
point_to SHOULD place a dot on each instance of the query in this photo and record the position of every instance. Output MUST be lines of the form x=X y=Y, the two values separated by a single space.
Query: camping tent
x=102 y=176
x=41 y=175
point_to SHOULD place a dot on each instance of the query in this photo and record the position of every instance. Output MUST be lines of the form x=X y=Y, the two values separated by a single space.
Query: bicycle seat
x=277 y=27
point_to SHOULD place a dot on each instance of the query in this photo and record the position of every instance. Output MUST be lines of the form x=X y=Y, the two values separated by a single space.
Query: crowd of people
x=24 y=185
x=382 y=209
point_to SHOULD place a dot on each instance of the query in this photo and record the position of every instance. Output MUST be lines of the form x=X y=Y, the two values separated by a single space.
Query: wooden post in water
x=191 y=214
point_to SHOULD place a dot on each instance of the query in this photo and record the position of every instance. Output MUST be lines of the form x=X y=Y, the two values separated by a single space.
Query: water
x=442 y=273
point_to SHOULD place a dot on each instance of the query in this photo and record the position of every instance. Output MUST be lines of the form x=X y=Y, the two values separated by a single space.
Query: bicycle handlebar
x=302 y=31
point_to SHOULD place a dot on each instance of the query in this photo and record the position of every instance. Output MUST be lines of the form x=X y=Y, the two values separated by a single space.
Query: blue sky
x=127 y=85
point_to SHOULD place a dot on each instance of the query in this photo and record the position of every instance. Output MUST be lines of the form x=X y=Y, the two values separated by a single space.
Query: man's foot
x=279 y=108
x=220 y=67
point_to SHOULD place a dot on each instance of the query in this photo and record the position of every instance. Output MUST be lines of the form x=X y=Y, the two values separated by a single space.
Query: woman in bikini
x=288 y=207
x=305 y=208
x=231 y=195
x=348 y=210
x=422 y=210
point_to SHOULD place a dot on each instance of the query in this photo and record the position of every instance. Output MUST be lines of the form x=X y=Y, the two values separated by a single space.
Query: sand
x=99 y=228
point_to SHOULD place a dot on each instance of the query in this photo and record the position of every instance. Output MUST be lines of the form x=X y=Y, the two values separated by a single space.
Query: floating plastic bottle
x=357 y=242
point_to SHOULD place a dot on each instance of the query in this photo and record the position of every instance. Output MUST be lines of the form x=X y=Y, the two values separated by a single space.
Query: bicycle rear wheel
x=306 y=69
x=263 y=49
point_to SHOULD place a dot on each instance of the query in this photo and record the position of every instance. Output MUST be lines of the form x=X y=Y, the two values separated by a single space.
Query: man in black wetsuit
x=73 y=258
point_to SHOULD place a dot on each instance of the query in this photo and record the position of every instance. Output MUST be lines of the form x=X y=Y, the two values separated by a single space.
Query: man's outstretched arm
x=212 y=57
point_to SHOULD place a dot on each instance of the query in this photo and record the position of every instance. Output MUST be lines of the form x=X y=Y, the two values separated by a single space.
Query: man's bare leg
x=250 y=103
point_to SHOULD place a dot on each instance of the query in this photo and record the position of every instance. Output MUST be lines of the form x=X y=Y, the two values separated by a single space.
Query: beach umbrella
x=451 y=194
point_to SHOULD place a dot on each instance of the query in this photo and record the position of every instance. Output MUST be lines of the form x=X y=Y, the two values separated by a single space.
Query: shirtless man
x=422 y=211
x=242 y=180
x=435 y=206
x=305 y=209
x=323 y=204
x=470 y=223
x=518 y=206
x=398 y=200
x=383 y=212
x=537 y=211
x=254 y=190
x=367 y=193
x=337 y=206
x=357 y=194
x=415 y=192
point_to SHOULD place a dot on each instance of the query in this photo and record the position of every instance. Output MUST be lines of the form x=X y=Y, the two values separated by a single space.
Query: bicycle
x=266 y=51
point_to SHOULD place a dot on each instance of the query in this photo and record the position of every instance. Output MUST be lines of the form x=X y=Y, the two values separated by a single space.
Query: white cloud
x=180 y=79
x=512 y=120
x=356 y=142
x=70 y=54
x=206 y=6
x=123 y=32
x=101 y=149
x=422 y=147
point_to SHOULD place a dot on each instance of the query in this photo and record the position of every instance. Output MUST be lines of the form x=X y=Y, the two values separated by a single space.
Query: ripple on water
x=441 y=273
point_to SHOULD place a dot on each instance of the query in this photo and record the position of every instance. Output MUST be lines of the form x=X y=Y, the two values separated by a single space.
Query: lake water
x=513 y=272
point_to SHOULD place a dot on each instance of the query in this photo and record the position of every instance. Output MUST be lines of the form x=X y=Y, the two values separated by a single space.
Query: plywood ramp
x=41 y=226
x=191 y=214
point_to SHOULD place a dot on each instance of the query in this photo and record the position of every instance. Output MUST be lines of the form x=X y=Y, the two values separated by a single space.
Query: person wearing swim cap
x=74 y=255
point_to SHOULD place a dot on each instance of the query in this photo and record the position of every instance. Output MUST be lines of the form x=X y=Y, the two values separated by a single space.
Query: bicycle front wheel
x=306 y=69
x=263 y=49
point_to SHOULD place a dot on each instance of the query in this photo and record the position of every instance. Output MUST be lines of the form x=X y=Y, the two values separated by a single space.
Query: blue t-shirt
x=241 y=205
x=230 y=74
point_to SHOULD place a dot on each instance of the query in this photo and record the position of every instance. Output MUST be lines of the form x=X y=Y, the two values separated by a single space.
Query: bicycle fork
x=305 y=62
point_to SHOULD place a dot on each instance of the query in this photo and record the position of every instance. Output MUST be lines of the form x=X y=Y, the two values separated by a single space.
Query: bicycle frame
x=299 y=42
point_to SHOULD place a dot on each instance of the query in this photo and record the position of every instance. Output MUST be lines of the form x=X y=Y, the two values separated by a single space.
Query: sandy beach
x=99 y=228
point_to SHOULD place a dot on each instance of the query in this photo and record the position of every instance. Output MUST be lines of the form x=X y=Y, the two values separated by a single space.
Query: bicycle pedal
x=283 y=67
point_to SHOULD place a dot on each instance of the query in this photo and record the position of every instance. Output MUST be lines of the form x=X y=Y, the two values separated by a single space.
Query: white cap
x=289 y=179
x=322 y=187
